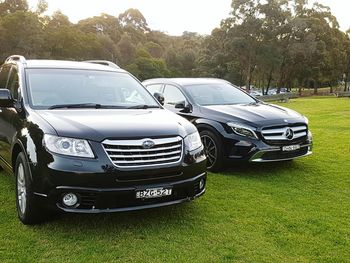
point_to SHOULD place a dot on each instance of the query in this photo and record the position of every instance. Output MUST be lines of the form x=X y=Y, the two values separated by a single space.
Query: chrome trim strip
x=148 y=161
x=256 y=158
x=259 y=160
x=281 y=137
x=39 y=194
x=140 y=142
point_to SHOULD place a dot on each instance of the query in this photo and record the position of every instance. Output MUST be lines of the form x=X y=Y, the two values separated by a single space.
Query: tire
x=213 y=148
x=28 y=210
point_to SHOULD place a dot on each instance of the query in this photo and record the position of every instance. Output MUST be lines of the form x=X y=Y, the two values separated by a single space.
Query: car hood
x=100 y=124
x=259 y=114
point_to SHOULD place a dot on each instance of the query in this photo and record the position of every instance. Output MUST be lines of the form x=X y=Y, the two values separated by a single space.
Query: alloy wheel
x=21 y=189
x=210 y=150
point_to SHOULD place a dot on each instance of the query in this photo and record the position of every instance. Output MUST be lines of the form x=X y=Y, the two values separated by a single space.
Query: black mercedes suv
x=89 y=138
x=233 y=125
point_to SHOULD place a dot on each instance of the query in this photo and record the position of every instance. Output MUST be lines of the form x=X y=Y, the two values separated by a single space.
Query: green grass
x=284 y=212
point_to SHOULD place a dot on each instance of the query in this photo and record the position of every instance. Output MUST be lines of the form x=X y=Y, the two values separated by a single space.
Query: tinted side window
x=155 y=88
x=173 y=95
x=4 y=74
x=13 y=83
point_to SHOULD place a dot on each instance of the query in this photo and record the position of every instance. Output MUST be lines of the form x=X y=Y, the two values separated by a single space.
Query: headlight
x=193 y=141
x=68 y=146
x=242 y=130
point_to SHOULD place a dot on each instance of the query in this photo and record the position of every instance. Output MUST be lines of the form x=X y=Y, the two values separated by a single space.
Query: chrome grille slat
x=278 y=133
x=281 y=137
x=132 y=154
x=149 y=161
x=139 y=142
x=144 y=155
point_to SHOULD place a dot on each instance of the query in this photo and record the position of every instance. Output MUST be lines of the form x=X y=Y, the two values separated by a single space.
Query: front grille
x=278 y=134
x=132 y=153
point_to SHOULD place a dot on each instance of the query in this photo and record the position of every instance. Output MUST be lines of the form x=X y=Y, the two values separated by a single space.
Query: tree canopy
x=270 y=43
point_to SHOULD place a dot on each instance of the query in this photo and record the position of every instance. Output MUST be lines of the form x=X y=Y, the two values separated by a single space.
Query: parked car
x=272 y=92
x=233 y=125
x=255 y=93
x=88 y=138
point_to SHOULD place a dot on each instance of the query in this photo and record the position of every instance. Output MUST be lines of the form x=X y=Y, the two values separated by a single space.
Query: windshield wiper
x=143 y=106
x=76 y=106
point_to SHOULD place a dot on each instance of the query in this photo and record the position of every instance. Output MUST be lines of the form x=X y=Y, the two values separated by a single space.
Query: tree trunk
x=346 y=82
x=269 y=81
x=248 y=77
x=331 y=88
x=315 y=87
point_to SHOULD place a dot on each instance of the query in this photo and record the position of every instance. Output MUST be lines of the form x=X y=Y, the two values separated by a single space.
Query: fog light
x=70 y=199
x=201 y=184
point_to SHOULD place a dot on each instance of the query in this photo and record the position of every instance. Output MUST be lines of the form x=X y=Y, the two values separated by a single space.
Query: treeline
x=270 y=43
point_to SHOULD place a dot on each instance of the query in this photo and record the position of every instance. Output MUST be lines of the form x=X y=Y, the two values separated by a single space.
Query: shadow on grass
x=260 y=169
x=149 y=221
x=267 y=170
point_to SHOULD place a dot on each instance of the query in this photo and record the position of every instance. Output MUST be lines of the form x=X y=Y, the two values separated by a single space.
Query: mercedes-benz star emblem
x=148 y=144
x=289 y=134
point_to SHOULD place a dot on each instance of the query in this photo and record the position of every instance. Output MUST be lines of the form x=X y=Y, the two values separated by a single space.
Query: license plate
x=290 y=148
x=153 y=193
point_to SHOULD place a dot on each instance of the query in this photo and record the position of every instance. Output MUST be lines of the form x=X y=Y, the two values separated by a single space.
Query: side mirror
x=6 y=100
x=180 y=105
x=185 y=107
x=159 y=97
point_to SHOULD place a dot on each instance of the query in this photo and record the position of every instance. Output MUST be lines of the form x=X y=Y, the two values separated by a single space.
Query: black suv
x=233 y=125
x=88 y=138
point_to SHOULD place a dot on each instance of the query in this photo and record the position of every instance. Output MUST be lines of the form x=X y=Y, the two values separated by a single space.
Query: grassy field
x=286 y=212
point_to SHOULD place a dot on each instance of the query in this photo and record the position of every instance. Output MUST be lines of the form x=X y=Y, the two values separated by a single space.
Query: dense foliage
x=270 y=43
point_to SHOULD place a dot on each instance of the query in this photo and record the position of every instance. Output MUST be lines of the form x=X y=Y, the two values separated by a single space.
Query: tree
x=146 y=67
x=104 y=24
x=41 y=7
x=126 y=49
x=133 y=18
x=12 y=6
x=21 y=33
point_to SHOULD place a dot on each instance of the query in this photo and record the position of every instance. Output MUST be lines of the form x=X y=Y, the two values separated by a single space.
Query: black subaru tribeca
x=89 y=138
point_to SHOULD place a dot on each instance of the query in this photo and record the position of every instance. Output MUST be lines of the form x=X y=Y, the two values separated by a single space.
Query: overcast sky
x=173 y=16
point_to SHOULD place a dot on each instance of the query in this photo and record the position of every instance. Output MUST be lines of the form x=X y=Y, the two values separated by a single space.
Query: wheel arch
x=214 y=126
x=20 y=146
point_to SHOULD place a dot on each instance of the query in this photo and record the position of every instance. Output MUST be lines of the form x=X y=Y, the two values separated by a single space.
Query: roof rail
x=16 y=58
x=103 y=62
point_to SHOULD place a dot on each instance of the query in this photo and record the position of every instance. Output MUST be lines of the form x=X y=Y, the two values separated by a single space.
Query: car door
x=9 y=80
x=172 y=96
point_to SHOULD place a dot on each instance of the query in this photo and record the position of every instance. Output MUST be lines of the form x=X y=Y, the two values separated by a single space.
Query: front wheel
x=213 y=149
x=27 y=208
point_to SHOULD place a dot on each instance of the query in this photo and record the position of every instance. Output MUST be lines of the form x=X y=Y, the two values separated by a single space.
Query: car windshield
x=218 y=94
x=70 y=88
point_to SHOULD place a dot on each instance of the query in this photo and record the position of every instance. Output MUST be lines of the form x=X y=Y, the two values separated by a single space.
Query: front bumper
x=238 y=148
x=102 y=187
x=124 y=199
